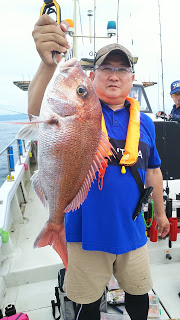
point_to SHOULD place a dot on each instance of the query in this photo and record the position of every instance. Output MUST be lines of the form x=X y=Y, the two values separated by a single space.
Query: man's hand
x=163 y=225
x=154 y=179
x=49 y=37
x=162 y=115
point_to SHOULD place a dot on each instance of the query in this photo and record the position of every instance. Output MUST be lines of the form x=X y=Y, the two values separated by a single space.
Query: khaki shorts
x=89 y=272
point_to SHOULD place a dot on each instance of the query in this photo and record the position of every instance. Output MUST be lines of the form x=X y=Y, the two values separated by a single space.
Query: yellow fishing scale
x=51 y=6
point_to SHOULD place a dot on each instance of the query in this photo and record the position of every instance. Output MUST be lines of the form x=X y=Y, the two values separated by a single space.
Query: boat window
x=138 y=93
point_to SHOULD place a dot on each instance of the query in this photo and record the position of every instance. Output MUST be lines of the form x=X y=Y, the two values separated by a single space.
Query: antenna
x=162 y=76
x=118 y=22
x=90 y=15
x=80 y=22
x=75 y=29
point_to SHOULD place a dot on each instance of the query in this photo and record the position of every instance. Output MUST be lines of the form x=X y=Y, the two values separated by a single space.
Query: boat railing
x=13 y=191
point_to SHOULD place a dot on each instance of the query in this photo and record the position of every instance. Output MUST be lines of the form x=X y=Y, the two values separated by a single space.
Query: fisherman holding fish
x=102 y=237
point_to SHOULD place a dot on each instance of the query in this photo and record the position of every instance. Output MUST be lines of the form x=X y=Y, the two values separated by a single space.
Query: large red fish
x=71 y=148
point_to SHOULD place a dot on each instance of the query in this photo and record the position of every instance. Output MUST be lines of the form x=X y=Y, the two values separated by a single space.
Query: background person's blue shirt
x=175 y=110
x=175 y=114
x=104 y=221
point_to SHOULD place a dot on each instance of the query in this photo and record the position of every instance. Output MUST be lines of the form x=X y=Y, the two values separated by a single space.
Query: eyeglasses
x=108 y=70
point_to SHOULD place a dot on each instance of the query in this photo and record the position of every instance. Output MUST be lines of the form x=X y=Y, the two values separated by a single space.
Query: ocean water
x=7 y=135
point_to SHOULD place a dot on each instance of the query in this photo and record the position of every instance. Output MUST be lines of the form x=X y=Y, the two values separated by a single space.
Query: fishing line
x=28 y=114
x=94 y=29
x=162 y=76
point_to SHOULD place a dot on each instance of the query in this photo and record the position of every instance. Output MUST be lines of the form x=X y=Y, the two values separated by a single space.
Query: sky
x=138 y=30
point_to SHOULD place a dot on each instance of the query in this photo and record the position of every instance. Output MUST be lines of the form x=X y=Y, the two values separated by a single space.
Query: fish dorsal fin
x=36 y=185
x=104 y=150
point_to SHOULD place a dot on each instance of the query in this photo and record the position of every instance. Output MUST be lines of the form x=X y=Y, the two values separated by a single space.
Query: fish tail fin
x=53 y=235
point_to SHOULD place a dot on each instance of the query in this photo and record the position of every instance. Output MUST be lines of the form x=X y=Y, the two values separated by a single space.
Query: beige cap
x=115 y=48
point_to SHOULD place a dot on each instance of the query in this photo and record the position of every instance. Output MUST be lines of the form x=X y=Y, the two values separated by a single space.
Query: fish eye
x=82 y=90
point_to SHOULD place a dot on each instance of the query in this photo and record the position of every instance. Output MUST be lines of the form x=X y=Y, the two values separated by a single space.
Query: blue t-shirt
x=104 y=221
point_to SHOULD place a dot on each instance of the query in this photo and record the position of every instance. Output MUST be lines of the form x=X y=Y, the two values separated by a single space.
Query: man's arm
x=174 y=117
x=37 y=88
x=48 y=37
x=154 y=179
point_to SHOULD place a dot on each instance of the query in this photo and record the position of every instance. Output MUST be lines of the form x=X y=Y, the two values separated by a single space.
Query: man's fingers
x=51 y=33
x=49 y=29
x=49 y=37
x=163 y=231
x=45 y=19
x=52 y=37
x=45 y=47
x=64 y=25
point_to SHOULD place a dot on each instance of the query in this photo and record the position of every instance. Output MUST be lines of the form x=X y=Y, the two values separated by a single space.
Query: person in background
x=175 y=95
x=102 y=238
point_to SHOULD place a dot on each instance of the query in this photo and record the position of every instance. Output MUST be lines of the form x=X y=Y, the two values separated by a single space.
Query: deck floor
x=31 y=274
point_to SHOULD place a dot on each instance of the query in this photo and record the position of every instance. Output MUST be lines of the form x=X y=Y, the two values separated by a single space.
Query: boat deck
x=29 y=275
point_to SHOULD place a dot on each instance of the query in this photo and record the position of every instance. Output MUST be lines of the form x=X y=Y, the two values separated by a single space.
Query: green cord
x=148 y=226
x=4 y=235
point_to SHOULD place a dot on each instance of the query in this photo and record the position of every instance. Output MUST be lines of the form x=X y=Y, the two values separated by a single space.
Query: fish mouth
x=67 y=67
x=66 y=71
x=69 y=63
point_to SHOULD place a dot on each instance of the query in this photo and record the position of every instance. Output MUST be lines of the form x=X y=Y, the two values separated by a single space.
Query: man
x=175 y=95
x=102 y=237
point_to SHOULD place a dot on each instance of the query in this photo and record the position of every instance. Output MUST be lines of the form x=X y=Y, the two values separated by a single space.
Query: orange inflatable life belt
x=130 y=155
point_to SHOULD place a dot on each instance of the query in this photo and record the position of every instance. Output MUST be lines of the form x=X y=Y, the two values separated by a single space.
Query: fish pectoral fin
x=53 y=235
x=36 y=185
x=29 y=131
x=104 y=151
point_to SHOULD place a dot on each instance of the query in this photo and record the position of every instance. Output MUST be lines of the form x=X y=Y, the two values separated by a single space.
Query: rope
x=148 y=226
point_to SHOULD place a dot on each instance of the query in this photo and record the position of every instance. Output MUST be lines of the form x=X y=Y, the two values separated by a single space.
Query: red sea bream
x=71 y=148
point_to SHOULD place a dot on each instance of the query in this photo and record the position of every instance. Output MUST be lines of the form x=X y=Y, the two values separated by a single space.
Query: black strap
x=134 y=169
x=145 y=192
x=56 y=304
x=137 y=177
x=61 y=275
